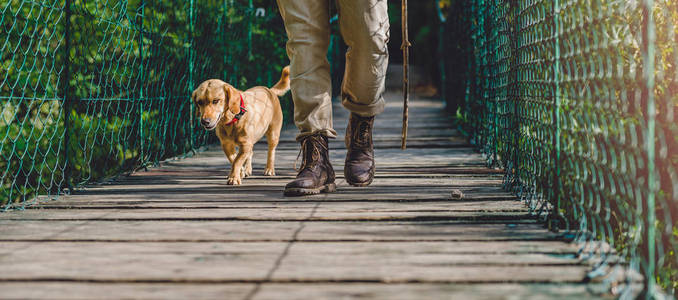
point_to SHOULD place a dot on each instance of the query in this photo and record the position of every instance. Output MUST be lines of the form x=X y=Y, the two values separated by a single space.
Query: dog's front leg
x=235 y=177
x=229 y=150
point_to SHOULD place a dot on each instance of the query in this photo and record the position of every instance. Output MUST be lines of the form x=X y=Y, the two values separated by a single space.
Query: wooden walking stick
x=405 y=46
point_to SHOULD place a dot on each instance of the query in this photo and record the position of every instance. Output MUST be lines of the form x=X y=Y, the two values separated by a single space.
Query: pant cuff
x=364 y=110
x=329 y=133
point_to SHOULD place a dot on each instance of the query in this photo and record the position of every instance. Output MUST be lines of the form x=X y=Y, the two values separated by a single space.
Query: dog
x=241 y=119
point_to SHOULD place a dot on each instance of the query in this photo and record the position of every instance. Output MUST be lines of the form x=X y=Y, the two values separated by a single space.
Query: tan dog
x=241 y=119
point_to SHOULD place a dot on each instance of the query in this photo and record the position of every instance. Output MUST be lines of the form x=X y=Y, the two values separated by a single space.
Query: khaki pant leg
x=308 y=32
x=364 y=26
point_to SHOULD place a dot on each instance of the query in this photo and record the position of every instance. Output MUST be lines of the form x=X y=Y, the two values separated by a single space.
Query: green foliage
x=106 y=91
x=423 y=28
x=31 y=162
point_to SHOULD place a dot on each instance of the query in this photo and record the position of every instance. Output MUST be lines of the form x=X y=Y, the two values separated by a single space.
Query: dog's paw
x=234 y=181
x=247 y=171
x=269 y=172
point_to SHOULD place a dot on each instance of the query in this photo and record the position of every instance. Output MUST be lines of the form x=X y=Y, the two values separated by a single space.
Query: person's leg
x=365 y=28
x=308 y=32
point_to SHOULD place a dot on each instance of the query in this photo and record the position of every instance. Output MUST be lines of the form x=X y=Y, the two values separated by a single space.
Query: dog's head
x=216 y=101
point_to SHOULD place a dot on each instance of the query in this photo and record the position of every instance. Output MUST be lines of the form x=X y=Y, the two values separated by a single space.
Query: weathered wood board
x=177 y=231
x=276 y=291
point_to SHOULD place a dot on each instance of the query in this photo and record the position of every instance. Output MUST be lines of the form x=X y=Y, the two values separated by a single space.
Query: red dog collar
x=242 y=111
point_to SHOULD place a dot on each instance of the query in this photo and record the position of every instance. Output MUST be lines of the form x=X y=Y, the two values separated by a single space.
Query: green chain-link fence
x=92 y=89
x=577 y=100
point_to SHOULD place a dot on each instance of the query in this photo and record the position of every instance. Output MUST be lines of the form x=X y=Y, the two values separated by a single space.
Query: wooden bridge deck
x=178 y=231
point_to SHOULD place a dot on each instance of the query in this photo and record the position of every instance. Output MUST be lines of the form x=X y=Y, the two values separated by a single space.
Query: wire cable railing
x=577 y=101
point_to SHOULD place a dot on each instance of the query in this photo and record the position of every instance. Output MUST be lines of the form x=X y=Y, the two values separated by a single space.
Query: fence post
x=555 y=212
x=67 y=99
x=649 y=38
x=514 y=94
x=493 y=76
x=482 y=70
x=190 y=73
x=223 y=38
x=441 y=56
x=140 y=10
x=250 y=16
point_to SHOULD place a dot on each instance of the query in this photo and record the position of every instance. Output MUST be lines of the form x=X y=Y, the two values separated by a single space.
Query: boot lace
x=362 y=135
x=309 y=145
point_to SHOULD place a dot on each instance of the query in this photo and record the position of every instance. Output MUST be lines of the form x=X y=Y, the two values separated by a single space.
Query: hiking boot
x=316 y=174
x=359 y=166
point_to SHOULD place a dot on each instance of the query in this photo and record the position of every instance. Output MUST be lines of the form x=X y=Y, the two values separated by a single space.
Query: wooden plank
x=244 y=231
x=170 y=175
x=401 y=185
x=272 y=187
x=257 y=189
x=276 y=291
x=334 y=206
x=247 y=196
x=387 y=179
x=258 y=214
x=434 y=291
x=252 y=262
x=379 y=184
x=243 y=197
x=134 y=262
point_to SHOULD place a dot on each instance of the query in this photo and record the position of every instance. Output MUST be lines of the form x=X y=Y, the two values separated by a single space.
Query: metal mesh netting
x=91 y=89
x=577 y=101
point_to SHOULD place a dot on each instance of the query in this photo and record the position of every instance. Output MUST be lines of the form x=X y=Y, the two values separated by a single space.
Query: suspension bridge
x=545 y=167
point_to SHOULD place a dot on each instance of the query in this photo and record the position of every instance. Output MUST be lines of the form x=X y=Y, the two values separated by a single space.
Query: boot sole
x=295 y=192
x=360 y=184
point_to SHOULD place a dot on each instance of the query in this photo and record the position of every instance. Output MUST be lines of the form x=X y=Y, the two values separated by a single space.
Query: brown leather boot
x=359 y=166
x=316 y=174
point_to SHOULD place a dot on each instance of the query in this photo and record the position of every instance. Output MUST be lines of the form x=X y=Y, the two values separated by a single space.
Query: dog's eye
x=215 y=101
x=199 y=102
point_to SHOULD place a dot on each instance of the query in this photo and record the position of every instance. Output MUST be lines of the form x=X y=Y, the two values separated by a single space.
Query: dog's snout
x=206 y=121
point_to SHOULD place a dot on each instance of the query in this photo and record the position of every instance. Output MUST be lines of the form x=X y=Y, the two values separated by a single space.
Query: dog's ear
x=232 y=99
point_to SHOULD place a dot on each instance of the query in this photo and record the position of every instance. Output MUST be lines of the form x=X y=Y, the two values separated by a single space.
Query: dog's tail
x=283 y=85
